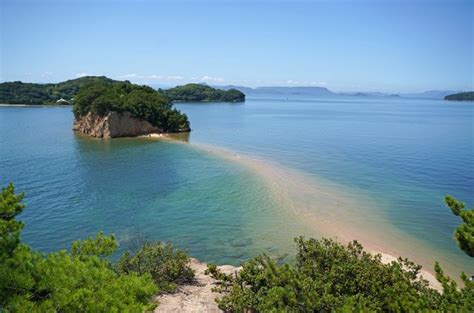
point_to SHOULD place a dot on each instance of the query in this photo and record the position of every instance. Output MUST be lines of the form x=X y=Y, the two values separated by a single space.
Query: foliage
x=141 y=101
x=42 y=94
x=462 y=96
x=167 y=265
x=464 y=233
x=201 y=92
x=80 y=281
x=328 y=276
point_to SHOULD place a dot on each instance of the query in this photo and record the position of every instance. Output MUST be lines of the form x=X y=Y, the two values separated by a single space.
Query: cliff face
x=114 y=124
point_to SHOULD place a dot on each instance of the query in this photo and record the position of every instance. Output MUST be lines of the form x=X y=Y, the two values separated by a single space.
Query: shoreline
x=344 y=217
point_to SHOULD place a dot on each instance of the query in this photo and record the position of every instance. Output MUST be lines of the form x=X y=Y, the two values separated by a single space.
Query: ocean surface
x=396 y=158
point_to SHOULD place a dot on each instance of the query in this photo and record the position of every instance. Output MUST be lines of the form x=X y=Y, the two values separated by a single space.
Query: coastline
x=199 y=296
x=326 y=211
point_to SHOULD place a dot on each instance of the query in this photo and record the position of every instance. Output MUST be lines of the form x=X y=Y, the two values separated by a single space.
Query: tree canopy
x=42 y=94
x=464 y=233
x=141 y=101
x=65 y=92
x=201 y=92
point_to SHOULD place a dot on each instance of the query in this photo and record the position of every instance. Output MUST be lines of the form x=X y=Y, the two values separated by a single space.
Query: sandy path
x=196 y=297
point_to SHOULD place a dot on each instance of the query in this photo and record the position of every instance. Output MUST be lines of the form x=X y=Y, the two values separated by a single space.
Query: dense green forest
x=65 y=92
x=200 y=92
x=141 y=101
x=462 y=96
x=43 y=94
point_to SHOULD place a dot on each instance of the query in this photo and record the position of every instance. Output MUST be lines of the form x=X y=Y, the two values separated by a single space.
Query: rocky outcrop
x=114 y=124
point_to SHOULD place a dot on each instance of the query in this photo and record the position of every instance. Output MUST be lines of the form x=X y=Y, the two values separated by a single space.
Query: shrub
x=328 y=276
x=167 y=265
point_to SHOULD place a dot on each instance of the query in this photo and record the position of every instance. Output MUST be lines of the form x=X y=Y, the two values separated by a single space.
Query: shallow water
x=395 y=158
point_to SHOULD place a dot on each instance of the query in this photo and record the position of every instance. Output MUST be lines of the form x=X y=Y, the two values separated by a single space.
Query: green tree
x=81 y=281
x=464 y=233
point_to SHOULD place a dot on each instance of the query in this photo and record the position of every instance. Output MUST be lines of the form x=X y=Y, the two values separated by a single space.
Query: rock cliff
x=114 y=124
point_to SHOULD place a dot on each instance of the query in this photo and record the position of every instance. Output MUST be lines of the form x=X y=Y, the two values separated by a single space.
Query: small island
x=462 y=96
x=122 y=109
x=202 y=93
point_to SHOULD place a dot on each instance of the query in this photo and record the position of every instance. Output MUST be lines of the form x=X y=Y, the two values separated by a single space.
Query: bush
x=166 y=265
x=328 y=276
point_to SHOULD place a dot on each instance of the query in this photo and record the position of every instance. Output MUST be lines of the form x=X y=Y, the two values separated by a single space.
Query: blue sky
x=394 y=46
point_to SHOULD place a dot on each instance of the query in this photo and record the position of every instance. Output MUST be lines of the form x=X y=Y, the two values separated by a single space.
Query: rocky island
x=122 y=109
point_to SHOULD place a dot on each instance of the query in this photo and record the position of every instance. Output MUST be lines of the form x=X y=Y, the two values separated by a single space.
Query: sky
x=391 y=46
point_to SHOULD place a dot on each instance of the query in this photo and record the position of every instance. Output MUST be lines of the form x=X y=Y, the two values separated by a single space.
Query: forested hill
x=63 y=93
x=30 y=93
x=462 y=96
x=201 y=93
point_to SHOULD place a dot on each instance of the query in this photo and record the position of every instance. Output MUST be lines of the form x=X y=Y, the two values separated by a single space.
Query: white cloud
x=83 y=74
x=175 y=77
x=211 y=79
x=154 y=76
x=126 y=76
x=321 y=83
x=47 y=74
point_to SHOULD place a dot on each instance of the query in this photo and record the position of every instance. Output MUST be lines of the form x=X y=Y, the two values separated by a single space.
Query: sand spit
x=319 y=208
x=329 y=210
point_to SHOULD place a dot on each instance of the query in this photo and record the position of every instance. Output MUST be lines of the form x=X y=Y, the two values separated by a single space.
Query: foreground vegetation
x=462 y=96
x=82 y=280
x=200 y=92
x=326 y=276
x=142 y=102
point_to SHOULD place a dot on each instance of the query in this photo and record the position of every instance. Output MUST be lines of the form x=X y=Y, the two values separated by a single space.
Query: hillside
x=462 y=96
x=202 y=93
x=41 y=94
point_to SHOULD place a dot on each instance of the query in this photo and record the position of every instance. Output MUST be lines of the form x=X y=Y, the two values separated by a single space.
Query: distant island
x=108 y=109
x=63 y=93
x=203 y=93
x=462 y=96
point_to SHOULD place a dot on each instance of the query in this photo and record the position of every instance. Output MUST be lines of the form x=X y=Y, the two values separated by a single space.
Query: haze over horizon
x=395 y=47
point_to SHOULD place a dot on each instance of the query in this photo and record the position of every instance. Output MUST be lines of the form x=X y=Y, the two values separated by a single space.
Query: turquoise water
x=403 y=155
